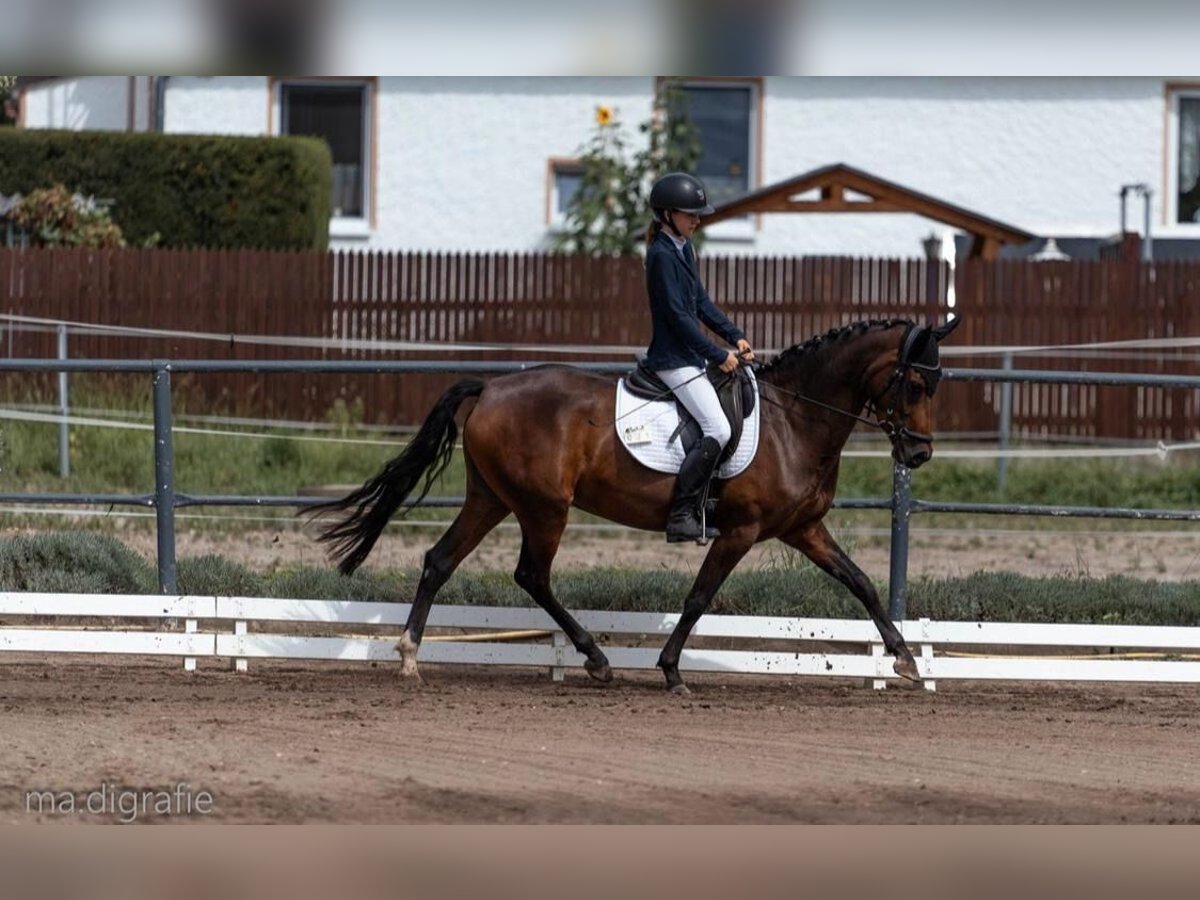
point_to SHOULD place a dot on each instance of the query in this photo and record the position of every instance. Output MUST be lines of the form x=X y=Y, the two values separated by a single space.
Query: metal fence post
x=164 y=478
x=1006 y=390
x=64 y=408
x=898 y=569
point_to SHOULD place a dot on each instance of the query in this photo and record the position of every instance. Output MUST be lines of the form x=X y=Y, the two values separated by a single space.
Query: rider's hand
x=745 y=351
x=731 y=362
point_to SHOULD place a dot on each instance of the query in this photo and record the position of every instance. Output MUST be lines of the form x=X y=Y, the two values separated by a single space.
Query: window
x=723 y=115
x=337 y=113
x=565 y=177
x=1187 y=167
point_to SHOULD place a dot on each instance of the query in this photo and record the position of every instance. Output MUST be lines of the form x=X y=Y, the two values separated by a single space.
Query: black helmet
x=681 y=191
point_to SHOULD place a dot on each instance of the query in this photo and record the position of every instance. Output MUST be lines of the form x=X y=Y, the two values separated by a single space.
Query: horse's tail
x=373 y=504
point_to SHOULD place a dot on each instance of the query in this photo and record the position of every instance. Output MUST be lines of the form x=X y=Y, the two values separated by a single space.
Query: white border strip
x=228 y=635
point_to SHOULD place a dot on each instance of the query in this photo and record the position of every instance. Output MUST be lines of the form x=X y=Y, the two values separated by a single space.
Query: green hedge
x=192 y=190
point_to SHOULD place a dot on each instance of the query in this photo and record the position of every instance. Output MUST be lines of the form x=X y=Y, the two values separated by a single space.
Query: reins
x=796 y=395
x=883 y=423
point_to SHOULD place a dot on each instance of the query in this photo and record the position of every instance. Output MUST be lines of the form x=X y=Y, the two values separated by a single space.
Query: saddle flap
x=651 y=431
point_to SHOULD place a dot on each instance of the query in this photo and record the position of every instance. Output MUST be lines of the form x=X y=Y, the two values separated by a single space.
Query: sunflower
x=604 y=115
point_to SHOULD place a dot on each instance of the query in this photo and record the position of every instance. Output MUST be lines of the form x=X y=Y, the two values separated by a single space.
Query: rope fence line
x=69 y=511
x=242 y=421
x=1161 y=450
x=37 y=323
x=400 y=430
x=56 y=419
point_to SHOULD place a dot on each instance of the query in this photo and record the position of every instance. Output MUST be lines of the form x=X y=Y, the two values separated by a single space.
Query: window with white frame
x=338 y=113
x=1187 y=159
x=566 y=175
x=723 y=114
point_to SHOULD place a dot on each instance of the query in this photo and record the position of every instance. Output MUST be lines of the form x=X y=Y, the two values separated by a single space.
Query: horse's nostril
x=920 y=458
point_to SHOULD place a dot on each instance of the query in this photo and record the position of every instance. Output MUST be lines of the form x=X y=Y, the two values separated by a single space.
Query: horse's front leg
x=725 y=553
x=817 y=544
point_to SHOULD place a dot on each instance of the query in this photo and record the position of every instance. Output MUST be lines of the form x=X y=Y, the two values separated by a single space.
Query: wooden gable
x=841 y=188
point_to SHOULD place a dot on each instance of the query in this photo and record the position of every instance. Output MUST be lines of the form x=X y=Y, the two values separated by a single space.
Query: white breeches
x=697 y=394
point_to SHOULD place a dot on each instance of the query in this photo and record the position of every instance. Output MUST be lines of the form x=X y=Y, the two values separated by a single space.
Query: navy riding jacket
x=678 y=304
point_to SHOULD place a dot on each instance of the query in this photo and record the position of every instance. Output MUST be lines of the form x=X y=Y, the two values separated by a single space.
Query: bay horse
x=540 y=441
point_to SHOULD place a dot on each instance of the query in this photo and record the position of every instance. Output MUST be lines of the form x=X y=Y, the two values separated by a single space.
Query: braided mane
x=802 y=352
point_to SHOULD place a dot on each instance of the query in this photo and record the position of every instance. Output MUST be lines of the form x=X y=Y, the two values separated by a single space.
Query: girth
x=734 y=390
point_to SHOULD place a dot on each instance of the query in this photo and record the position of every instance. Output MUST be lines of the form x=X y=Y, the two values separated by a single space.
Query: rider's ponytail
x=652 y=232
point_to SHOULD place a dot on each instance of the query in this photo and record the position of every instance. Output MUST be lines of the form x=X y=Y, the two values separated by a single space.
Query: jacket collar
x=669 y=242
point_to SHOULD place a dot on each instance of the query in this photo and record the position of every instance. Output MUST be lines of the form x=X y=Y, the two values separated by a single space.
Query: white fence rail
x=221 y=627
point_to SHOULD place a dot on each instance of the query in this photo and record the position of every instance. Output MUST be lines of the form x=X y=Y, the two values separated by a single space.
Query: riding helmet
x=681 y=191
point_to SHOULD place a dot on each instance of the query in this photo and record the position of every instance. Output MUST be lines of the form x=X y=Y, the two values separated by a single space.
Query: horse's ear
x=941 y=331
x=919 y=347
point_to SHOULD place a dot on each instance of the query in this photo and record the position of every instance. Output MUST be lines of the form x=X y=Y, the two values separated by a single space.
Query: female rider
x=679 y=350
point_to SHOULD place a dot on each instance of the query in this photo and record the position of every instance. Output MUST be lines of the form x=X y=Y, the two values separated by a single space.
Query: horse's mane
x=802 y=352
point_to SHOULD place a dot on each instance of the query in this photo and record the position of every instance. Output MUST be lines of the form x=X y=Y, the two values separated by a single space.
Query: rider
x=679 y=349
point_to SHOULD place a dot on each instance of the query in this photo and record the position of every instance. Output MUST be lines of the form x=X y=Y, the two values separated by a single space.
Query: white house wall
x=1046 y=155
x=92 y=102
x=225 y=104
x=462 y=162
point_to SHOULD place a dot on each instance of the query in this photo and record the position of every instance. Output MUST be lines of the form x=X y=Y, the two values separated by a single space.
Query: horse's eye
x=915 y=392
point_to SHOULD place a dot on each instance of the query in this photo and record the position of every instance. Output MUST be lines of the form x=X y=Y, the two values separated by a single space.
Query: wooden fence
x=1057 y=304
x=545 y=299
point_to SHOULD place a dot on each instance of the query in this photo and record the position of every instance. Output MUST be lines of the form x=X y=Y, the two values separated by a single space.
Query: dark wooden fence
x=1057 y=304
x=543 y=299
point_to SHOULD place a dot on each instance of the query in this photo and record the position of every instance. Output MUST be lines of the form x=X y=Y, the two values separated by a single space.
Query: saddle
x=734 y=389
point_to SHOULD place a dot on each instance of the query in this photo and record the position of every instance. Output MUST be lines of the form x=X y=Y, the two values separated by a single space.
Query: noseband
x=886 y=421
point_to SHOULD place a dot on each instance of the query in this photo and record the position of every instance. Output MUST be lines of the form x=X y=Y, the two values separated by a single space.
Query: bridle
x=927 y=364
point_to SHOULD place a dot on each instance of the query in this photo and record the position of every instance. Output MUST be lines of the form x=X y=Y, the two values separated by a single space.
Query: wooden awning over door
x=842 y=188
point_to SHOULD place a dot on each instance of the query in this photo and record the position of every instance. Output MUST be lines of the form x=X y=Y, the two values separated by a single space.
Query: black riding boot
x=683 y=522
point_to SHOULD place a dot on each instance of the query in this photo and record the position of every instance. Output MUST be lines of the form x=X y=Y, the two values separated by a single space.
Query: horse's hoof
x=407 y=648
x=680 y=690
x=599 y=670
x=906 y=667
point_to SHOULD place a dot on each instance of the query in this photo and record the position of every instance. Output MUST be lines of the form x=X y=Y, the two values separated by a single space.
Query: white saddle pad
x=644 y=426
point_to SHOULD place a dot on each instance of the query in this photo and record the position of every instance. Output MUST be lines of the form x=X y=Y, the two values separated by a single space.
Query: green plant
x=54 y=216
x=190 y=190
x=609 y=212
x=346 y=416
x=215 y=575
x=278 y=453
x=8 y=112
x=72 y=562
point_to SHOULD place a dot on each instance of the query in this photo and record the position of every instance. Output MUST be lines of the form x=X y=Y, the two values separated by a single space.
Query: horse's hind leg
x=481 y=512
x=818 y=544
x=540 y=536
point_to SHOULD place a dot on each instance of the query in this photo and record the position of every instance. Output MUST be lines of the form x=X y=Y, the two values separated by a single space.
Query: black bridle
x=925 y=362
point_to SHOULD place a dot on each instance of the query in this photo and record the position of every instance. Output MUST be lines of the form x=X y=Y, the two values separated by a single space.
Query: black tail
x=373 y=504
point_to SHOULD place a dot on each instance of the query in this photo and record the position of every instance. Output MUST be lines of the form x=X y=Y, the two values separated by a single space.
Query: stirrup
x=693 y=529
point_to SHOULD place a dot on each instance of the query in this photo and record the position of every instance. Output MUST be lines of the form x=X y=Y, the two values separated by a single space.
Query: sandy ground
x=328 y=742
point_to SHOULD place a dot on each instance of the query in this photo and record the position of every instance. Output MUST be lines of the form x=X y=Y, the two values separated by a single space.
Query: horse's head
x=901 y=388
